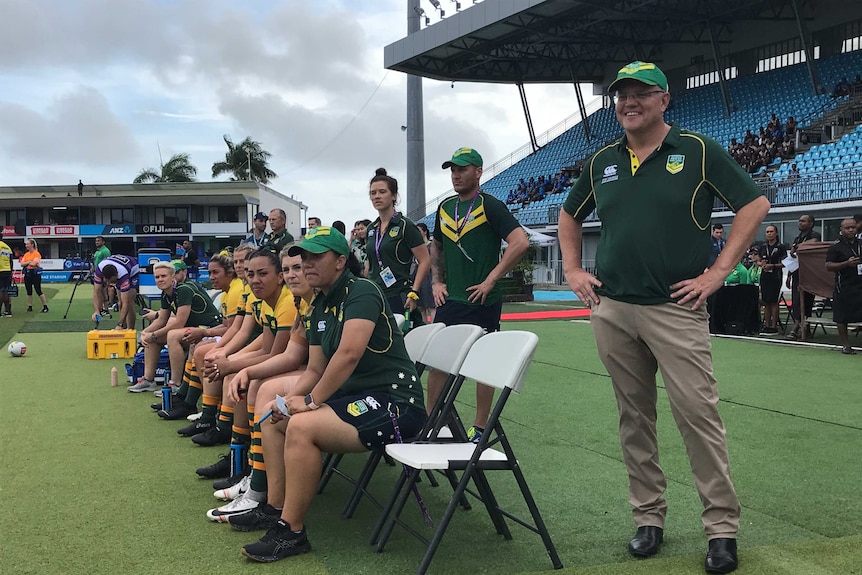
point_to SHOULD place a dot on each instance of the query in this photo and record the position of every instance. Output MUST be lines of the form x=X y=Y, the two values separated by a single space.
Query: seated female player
x=360 y=389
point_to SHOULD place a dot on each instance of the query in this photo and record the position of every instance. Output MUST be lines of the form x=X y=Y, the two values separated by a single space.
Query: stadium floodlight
x=435 y=3
x=421 y=13
x=457 y=5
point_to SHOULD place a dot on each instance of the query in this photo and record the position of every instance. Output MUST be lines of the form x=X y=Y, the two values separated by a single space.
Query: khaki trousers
x=633 y=342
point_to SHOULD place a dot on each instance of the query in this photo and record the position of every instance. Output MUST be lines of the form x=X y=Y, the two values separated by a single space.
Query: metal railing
x=513 y=158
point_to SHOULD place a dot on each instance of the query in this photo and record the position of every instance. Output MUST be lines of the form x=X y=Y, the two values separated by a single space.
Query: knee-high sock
x=258 y=468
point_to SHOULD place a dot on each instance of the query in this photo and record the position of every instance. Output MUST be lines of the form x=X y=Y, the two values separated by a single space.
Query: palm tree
x=177 y=169
x=238 y=158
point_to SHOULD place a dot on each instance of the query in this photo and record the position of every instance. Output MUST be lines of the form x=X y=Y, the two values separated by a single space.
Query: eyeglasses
x=637 y=96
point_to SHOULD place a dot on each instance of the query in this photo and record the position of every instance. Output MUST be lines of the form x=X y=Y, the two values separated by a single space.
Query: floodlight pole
x=415 y=206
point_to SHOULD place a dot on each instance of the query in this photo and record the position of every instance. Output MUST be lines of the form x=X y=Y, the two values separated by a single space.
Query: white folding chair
x=418 y=342
x=500 y=360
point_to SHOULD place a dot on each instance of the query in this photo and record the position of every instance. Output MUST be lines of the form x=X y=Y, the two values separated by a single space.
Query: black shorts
x=457 y=313
x=5 y=280
x=369 y=413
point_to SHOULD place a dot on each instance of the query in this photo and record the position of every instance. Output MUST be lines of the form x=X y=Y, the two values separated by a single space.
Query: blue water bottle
x=166 y=391
x=237 y=458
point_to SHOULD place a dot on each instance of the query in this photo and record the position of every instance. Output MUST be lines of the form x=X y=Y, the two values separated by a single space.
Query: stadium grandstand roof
x=586 y=41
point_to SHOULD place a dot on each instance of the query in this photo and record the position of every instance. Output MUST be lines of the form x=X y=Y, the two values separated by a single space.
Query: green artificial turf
x=93 y=482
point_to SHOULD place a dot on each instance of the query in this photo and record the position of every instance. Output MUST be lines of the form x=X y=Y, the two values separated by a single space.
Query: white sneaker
x=241 y=504
x=195 y=416
x=233 y=491
x=144 y=385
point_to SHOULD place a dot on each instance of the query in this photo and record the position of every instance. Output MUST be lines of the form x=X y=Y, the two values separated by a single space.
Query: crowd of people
x=775 y=140
x=763 y=265
x=845 y=88
x=304 y=354
x=536 y=189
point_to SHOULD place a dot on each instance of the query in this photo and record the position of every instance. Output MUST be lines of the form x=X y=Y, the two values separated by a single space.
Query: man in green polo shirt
x=102 y=251
x=659 y=181
x=279 y=237
x=466 y=264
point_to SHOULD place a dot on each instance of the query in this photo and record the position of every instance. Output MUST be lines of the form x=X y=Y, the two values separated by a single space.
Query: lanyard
x=459 y=227
x=378 y=239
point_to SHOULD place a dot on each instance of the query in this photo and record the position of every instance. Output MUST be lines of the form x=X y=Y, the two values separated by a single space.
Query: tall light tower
x=415 y=129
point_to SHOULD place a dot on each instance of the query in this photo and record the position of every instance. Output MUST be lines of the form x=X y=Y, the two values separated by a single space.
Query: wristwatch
x=310 y=402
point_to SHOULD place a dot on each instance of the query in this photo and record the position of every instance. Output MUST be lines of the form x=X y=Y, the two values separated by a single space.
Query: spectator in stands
x=844 y=258
x=842 y=88
x=772 y=253
x=807 y=233
x=857 y=81
x=510 y=199
x=718 y=243
x=788 y=148
x=790 y=127
x=258 y=235
x=650 y=314
x=793 y=176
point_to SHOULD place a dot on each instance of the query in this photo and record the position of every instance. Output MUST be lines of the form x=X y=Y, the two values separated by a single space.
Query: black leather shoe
x=646 y=541
x=721 y=557
x=178 y=411
x=212 y=436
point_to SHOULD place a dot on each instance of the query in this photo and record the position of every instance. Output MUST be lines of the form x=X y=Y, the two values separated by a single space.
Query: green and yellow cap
x=179 y=265
x=319 y=240
x=644 y=72
x=464 y=157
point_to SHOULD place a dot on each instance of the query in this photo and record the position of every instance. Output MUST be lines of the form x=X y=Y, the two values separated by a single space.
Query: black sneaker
x=260 y=518
x=212 y=436
x=44 y=309
x=278 y=543
x=178 y=411
x=29 y=308
x=220 y=468
x=195 y=427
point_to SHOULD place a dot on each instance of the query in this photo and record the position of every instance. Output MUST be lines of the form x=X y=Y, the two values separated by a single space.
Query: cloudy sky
x=93 y=89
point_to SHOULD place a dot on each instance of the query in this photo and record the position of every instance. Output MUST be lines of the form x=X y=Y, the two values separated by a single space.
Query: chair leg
x=362 y=482
x=406 y=484
x=537 y=518
x=433 y=480
x=453 y=481
x=491 y=505
x=387 y=509
x=330 y=462
x=444 y=522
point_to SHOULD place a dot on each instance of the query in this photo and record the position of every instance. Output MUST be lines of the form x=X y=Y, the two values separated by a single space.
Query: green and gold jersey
x=232 y=300
x=385 y=365
x=282 y=317
x=394 y=250
x=471 y=245
x=202 y=312
x=656 y=214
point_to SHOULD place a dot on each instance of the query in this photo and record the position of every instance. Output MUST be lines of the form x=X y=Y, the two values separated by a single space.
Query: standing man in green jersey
x=466 y=264
x=659 y=181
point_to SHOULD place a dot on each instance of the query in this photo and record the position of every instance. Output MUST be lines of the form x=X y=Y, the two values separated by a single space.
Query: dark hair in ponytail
x=391 y=183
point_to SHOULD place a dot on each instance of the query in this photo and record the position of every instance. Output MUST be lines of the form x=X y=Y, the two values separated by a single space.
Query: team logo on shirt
x=357 y=408
x=610 y=174
x=675 y=163
x=321 y=325
x=393 y=233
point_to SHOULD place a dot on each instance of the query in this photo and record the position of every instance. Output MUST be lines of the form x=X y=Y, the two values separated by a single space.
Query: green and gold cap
x=179 y=265
x=464 y=157
x=319 y=240
x=644 y=72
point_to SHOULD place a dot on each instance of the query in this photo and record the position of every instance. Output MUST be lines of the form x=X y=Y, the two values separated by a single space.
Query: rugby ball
x=17 y=348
